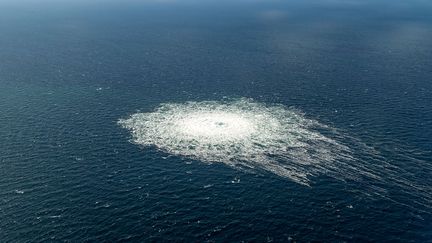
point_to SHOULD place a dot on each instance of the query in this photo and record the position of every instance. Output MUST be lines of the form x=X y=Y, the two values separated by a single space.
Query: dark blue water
x=70 y=70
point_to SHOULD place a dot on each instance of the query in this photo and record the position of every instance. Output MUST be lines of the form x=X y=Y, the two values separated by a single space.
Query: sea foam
x=243 y=134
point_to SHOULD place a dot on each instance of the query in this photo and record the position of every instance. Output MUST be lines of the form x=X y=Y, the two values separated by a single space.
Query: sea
x=71 y=70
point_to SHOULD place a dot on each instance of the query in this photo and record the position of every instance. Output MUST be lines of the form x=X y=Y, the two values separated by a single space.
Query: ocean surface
x=71 y=70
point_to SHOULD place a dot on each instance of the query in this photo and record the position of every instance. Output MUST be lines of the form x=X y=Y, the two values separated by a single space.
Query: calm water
x=70 y=71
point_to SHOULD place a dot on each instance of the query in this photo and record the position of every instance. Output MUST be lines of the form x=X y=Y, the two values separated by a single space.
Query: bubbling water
x=256 y=137
x=216 y=125
x=243 y=134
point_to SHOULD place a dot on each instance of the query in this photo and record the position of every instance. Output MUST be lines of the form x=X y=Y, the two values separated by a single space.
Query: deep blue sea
x=69 y=70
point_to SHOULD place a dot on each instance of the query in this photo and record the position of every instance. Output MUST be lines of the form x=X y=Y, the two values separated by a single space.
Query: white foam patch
x=242 y=134
x=253 y=136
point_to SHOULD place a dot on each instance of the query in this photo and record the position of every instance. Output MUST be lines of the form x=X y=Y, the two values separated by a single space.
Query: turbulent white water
x=243 y=134
x=253 y=136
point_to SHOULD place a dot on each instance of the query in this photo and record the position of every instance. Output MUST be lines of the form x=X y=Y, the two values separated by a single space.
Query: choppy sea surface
x=216 y=121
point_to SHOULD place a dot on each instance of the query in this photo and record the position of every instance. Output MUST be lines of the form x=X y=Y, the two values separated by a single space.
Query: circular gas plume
x=243 y=134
